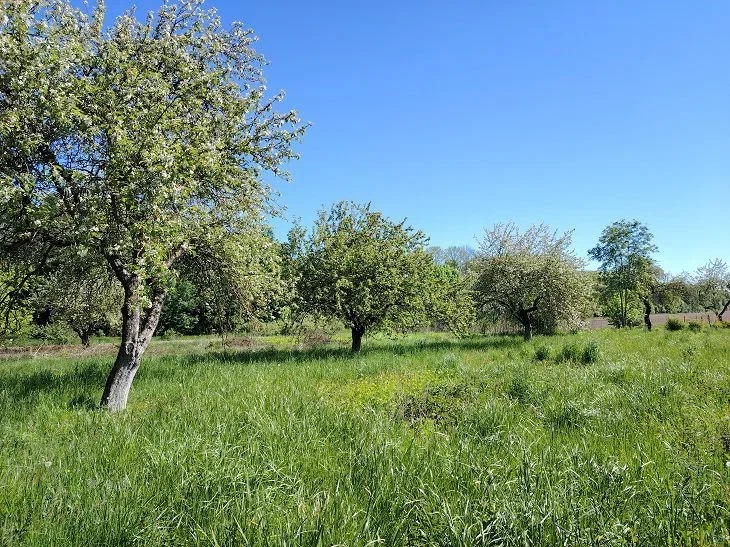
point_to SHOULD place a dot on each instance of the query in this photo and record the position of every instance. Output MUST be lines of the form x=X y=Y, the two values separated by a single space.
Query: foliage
x=542 y=353
x=713 y=287
x=569 y=352
x=695 y=326
x=456 y=256
x=52 y=333
x=574 y=352
x=449 y=303
x=531 y=277
x=81 y=291
x=620 y=312
x=624 y=251
x=674 y=324
x=373 y=274
x=591 y=352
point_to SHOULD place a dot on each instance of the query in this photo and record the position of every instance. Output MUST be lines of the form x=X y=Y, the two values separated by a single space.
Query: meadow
x=604 y=437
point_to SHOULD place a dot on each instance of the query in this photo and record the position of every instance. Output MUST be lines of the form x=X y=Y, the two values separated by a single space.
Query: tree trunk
x=724 y=309
x=136 y=336
x=526 y=320
x=647 y=313
x=357 y=334
x=120 y=379
x=85 y=338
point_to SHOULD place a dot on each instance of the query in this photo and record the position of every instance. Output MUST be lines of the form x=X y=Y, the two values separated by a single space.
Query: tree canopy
x=531 y=277
x=713 y=286
x=371 y=273
x=624 y=251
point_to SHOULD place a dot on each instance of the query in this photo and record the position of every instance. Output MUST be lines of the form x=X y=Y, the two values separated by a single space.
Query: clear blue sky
x=459 y=115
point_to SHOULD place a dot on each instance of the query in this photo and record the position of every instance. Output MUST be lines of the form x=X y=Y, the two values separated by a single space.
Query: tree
x=139 y=142
x=713 y=287
x=649 y=290
x=365 y=270
x=624 y=251
x=530 y=277
x=458 y=256
x=82 y=292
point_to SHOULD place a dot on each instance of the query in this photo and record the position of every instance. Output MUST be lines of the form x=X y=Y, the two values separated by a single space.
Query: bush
x=440 y=404
x=695 y=326
x=719 y=324
x=575 y=353
x=542 y=353
x=569 y=352
x=674 y=324
x=518 y=389
x=591 y=353
x=56 y=333
x=169 y=334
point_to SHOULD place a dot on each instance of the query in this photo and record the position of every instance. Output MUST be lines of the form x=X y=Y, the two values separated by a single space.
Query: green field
x=419 y=440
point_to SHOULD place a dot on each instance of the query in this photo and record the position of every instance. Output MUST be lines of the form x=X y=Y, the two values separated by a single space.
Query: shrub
x=56 y=333
x=542 y=353
x=674 y=324
x=170 y=334
x=695 y=326
x=721 y=324
x=518 y=389
x=570 y=352
x=440 y=404
x=591 y=353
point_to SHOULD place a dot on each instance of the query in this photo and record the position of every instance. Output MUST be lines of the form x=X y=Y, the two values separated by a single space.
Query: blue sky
x=459 y=115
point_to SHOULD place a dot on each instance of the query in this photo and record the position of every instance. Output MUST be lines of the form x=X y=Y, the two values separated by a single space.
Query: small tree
x=624 y=251
x=530 y=276
x=367 y=271
x=458 y=256
x=82 y=292
x=713 y=287
x=137 y=141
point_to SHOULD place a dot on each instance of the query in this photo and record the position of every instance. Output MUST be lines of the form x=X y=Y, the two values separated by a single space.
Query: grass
x=421 y=440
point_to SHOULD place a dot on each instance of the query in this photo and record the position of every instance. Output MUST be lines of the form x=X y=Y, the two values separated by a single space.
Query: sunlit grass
x=420 y=440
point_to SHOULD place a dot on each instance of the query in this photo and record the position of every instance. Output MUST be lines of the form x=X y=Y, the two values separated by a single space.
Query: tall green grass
x=415 y=441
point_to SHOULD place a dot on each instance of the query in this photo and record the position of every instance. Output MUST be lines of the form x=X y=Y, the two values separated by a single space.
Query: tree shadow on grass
x=343 y=353
x=77 y=385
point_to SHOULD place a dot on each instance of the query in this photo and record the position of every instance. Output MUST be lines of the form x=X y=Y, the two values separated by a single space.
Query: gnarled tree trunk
x=136 y=336
x=357 y=334
x=647 y=313
x=723 y=310
x=526 y=320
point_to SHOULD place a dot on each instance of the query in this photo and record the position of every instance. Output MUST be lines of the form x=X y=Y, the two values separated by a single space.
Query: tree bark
x=119 y=381
x=526 y=320
x=724 y=309
x=357 y=334
x=136 y=336
x=647 y=313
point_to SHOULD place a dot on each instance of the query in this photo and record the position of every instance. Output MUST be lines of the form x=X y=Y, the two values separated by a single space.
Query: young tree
x=530 y=276
x=82 y=292
x=457 y=256
x=365 y=270
x=713 y=287
x=624 y=251
x=138 y=141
